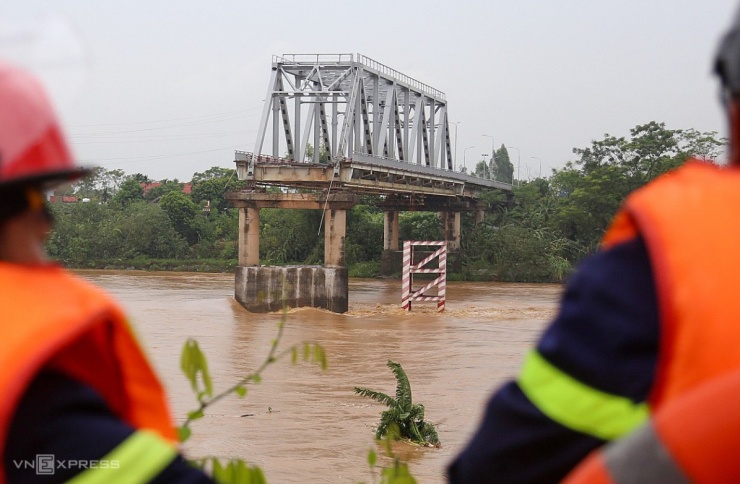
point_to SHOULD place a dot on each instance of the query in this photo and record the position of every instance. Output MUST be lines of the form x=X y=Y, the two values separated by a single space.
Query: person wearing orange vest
x=645 y=322
x=79 y=401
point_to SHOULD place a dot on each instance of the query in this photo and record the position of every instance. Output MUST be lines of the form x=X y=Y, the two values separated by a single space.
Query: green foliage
x=364 y=231
x=101 y=185
x=364 y=269
x=86 y=232
x=537 y=232
x=182 y=213
x=504 y=169
x=129 y=192
x=398 y=472
x=164 y=187
x=195 y=367
x=233 y=471
x=419 y=226
x=290 y=236
x=212 y=186
x=402 y=412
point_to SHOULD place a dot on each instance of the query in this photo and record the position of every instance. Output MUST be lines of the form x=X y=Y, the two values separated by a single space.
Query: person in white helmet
x=80 y=401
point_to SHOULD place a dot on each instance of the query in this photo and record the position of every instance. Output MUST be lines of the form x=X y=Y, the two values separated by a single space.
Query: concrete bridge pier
x=452 y=234
x=249 y=236
x=451 y=227
x=271 y=288
x=391 y=259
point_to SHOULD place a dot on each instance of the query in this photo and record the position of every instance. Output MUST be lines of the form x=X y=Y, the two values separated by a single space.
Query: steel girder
x=382 y=113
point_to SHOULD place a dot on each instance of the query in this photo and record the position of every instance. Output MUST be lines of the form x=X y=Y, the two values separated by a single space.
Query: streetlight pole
x=518 y=165
x=540 y=160
x=493 y=151
x=465 y=153
x=454 y=162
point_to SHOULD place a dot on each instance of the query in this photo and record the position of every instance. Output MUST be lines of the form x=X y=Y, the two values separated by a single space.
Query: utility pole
x=540 y=160
x=454 y=162
x=518 y=165
x=465 y=152
x=493 y=152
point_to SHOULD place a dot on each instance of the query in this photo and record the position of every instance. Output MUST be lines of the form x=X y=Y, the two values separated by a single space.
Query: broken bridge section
x=337 y=126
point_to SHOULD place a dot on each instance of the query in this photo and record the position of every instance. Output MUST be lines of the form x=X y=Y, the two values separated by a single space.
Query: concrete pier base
x=262 y=289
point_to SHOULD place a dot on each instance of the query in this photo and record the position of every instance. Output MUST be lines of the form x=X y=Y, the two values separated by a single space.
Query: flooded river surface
x=301 y=424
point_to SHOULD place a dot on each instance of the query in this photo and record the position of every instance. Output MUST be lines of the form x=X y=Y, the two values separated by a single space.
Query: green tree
x=212 y=186
x=165 y=186
x=419 y=226
x=364 y=234
x=129 y=192
x=182 y=213
x=483 y=170
x=290 y=236
x=504 y=168
x=100 y=184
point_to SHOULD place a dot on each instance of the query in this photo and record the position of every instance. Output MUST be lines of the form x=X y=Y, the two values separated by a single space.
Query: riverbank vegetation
x=536 y=233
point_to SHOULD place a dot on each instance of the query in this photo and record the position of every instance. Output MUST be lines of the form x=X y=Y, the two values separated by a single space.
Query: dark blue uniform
x=62 y=417
x=605 y=336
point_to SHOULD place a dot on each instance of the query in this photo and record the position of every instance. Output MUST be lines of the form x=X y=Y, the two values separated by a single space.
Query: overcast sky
x=171 y=88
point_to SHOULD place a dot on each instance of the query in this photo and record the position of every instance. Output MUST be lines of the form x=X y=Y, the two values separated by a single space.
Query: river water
x=302 y=424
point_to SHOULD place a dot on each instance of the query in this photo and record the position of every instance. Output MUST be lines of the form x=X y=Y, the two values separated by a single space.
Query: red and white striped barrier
x=408 y=294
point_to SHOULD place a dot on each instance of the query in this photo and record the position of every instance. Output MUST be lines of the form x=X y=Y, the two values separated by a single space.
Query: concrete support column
x=390 y=230
x=335 y=231
x=480 y=215
x=452 y=230
x=249 y=236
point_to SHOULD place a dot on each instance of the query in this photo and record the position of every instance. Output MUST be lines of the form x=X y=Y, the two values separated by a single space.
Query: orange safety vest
x=690 y=221
x=53 y=320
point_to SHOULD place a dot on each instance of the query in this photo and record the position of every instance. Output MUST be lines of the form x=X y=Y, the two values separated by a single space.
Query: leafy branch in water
x=398 y=473
x=402 y=412
x=195 y=367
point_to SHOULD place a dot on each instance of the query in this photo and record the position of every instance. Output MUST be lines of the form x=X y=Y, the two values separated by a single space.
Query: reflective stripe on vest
x=576 y=405
x=139 y=458
x=642 y=457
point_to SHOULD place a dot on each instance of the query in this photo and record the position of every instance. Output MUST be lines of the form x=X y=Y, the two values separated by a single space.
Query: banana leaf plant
x=408 y=416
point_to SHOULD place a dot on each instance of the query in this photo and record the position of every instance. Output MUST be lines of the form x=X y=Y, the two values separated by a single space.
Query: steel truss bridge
x=346 y=122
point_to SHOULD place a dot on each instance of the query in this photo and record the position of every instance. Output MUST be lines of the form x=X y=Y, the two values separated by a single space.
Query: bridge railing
x=384 y=69
x=313 y=59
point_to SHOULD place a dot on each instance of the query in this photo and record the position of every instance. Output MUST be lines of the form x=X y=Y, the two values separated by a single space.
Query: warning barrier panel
x=408 y=294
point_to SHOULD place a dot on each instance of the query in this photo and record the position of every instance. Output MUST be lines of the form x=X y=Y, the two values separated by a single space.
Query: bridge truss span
x=348 y=121
x=347 y=104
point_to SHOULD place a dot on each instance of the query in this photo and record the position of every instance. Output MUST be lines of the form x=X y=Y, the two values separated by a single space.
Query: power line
x=227 y=113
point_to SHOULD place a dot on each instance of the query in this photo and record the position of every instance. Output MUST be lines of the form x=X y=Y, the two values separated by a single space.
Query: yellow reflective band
x=137 y=459
x=577 y=406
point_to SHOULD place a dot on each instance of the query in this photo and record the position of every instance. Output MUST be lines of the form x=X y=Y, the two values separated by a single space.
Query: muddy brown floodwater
x=302 y=424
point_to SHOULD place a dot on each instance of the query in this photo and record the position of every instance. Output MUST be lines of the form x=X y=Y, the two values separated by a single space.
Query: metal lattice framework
x=372 y=130
x=345 y=105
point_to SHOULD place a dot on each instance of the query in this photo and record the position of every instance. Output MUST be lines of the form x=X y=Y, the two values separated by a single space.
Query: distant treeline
x=537 y=233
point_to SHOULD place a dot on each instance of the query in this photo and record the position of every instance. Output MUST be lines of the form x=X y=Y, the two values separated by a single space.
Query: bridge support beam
x=249 y=236
x=451 y=227
x=263 y=289
x=480 y=215
x=335 y=230
x=390 y=230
